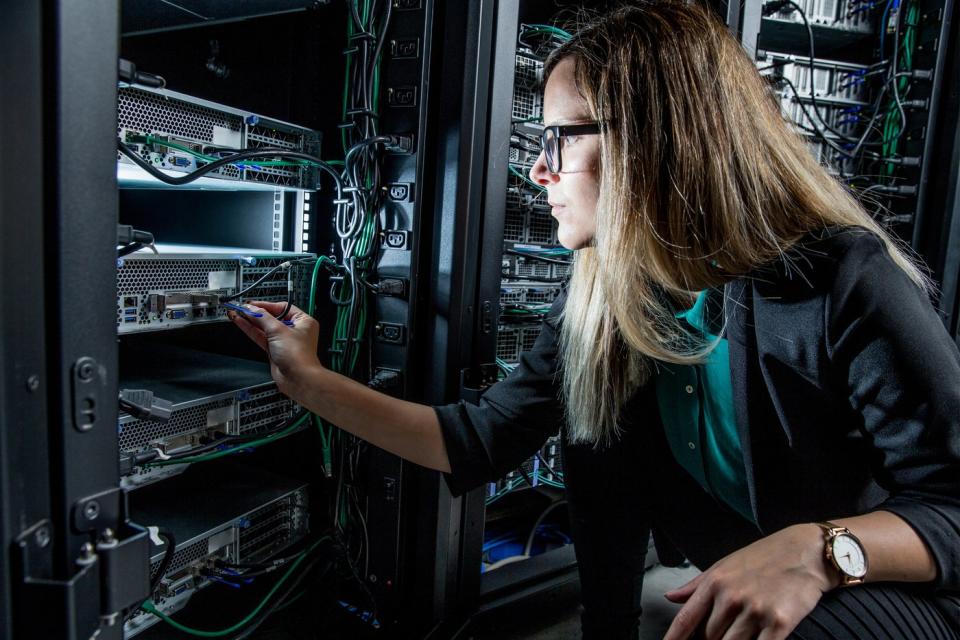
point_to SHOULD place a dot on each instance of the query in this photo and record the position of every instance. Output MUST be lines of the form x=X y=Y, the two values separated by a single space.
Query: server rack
x=91 y=575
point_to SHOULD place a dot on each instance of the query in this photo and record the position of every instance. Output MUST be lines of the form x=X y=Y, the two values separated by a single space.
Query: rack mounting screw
x=91 y=510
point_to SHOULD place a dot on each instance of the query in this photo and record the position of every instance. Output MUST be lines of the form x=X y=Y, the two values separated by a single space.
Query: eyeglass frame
x=561 y=131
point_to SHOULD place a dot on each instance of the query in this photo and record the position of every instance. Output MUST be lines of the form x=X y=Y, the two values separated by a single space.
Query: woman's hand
x=761 y=591
x=292 y=349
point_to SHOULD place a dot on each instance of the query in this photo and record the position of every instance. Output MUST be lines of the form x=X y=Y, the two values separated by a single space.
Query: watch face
x=849 y=556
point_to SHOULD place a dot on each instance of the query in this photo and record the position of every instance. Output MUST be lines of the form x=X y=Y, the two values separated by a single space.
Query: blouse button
x=689 y=388
x=691 y=445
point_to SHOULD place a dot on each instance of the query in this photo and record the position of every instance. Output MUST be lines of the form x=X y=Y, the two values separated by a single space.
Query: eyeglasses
x=551 y=136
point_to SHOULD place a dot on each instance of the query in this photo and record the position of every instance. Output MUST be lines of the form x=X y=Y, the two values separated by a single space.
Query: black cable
x=831 y=143
x=288 y=264
x=128 y=249
x=811 y=64
x=544 y=462
x=526 y=476
x=171 y=544
x=234 y=440
x=265 y=152
x=285 y=592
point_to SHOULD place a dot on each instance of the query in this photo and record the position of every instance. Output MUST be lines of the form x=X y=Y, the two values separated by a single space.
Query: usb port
x=130 y=312
x=130 y=319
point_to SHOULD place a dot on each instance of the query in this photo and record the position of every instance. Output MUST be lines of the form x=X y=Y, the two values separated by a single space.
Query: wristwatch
x=845 y=552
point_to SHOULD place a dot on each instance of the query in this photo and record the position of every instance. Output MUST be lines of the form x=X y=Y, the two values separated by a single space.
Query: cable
x=150 y=607
x=251 y=441
x=505 y=561
x=265 y=152
x=543 y=516
x=534 y=256
x=813 y=87
x=168 y=552
x=259 y=619
x=544 y=462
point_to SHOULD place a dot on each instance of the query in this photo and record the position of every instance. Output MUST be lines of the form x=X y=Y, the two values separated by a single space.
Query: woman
x=742 y=353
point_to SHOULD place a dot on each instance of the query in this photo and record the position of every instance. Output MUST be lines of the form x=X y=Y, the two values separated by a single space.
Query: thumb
x=262 y=319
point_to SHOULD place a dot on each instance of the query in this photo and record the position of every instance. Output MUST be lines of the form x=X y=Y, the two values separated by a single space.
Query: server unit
x=181 y=133
x=181 y=286
x=216 y=401
x=221 y=532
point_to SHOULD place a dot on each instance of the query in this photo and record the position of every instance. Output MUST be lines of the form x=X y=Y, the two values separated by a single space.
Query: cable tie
x=160 y=454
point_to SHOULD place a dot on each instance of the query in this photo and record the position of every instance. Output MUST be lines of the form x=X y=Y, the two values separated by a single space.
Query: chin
x=572 y=240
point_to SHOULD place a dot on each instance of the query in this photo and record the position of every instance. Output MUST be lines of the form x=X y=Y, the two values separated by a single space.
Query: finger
x=252 y=332
x=722 y=617
x=692 y=613
x=265 y=322
x=774 y=634
x=273 y=308
x=744 y=627
x=681 y=594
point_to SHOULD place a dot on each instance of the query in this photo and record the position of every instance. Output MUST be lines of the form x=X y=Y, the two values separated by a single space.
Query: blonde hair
x=701 y=181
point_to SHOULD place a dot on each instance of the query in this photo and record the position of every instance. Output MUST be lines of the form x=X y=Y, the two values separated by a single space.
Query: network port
x=130 y=301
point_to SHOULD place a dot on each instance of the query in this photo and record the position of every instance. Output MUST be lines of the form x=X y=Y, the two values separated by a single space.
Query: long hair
x=702 y=180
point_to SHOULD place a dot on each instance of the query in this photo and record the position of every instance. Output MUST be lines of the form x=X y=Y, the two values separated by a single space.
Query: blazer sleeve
x=902 y=373
x=513 y=419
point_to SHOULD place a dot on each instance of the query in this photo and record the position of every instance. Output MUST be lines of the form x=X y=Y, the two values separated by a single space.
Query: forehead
x=561 y=100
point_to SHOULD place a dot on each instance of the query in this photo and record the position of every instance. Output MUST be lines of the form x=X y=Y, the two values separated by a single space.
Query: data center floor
x=559 y=617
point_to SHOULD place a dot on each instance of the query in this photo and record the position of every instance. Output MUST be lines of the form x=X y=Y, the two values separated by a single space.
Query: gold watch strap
x=833 y=530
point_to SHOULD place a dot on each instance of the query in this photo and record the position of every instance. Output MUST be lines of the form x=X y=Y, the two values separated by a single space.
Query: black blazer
x=846 y=389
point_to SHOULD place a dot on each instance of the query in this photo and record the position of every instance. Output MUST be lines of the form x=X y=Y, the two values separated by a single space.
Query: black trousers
x=619 y=495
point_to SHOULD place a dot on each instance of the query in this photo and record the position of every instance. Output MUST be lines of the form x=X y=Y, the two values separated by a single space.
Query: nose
x=540 y=174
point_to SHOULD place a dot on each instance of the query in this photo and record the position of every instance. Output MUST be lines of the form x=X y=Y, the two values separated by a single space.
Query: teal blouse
x=696 y=407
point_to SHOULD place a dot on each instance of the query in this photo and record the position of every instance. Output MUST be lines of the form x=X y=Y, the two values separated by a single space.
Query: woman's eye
x=571 y=139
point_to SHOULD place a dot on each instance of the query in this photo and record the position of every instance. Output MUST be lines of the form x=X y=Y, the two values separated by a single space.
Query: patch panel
x=237 y=515
x=182 y=285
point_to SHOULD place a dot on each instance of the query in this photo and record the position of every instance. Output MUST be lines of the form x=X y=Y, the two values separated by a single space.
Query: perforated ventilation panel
x=140 y=276
x=508 y=343
x=151 y=113
x=528 y=70
x=533 y=268
x=183 y=557
x=540 y=228
x=137 y=434
x=528 y=337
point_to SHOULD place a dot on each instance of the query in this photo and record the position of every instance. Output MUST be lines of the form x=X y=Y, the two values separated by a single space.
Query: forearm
x=894 y=550
x=895 y=553
x=409 y=430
